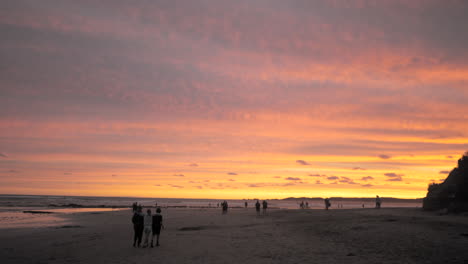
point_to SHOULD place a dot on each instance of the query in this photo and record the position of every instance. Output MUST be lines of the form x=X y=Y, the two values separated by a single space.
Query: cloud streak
x=292 y=178
x=302 y=162
x=383 y=156
x=367 y=178
x=394 y=177
x=358 y=168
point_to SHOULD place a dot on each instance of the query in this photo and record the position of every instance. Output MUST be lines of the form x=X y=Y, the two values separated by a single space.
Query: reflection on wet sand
x=21 y=217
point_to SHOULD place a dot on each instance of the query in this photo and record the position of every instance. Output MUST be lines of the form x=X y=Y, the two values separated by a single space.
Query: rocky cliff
x=453 y=192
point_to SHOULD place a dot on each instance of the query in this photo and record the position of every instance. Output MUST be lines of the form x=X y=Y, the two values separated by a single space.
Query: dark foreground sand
x=281 y=236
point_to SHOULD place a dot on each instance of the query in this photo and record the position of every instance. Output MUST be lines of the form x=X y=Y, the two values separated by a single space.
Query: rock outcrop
x=452 y=194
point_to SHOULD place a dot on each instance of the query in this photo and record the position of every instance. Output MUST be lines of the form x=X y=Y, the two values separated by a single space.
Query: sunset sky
x=231 y=99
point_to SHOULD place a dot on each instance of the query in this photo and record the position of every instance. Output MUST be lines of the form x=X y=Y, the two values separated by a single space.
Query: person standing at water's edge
x=148 y=222
x=225 y=206
x=138 y=224
x=265 y=206
x=327 y=203
x=378 y=202
x=257 y=207
x=157 y=224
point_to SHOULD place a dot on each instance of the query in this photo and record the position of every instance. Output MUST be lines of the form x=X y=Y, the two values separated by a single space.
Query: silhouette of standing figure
x=245 y=204
x=148 y=223
x=138 y=224
x=265 y=206
x=257 y=207
x=225 y=207
x=378 y=202
x=157 y=224
x=327 y=203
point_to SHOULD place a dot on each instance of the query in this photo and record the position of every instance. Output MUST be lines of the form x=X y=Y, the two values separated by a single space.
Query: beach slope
x=242 y=236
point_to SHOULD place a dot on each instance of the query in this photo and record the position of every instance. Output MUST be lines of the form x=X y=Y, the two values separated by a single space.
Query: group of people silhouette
x=264 y=205
x=146 y=224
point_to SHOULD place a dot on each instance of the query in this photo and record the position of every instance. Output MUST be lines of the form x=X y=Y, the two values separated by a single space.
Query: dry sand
x=281 y=236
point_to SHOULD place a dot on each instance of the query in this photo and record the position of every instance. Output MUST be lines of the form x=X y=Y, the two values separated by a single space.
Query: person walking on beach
x=265 y=206
x=156 y=226
x=138 y=224
x=148 y=223
x=135 y=207
x=327 y=203
x=257 y=207
x=378 y=202
x=245 y=204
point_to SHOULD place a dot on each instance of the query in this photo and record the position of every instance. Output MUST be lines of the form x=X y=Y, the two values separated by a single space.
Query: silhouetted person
x=148 y=223
x=265 y=206
x=225 y=207
x=257 y=207
x=245 y=204
x=327 y=203
x=157 y=224
x=307 y=205
x=301 y=205
x=138 y=224
x=134 y=207
x=378 y=202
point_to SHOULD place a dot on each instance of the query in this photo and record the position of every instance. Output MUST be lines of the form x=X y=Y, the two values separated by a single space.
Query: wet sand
x=281 y=236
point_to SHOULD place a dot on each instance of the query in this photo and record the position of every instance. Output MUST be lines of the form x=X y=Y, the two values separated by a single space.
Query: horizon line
x=97 y=196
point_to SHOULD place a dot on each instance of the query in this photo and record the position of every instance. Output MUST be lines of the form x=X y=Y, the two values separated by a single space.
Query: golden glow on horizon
x=270 y=176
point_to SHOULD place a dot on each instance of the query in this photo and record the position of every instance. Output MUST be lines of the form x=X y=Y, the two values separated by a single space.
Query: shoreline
x=113 y=202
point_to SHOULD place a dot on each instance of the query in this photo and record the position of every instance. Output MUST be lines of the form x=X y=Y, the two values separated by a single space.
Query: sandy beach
x=241 y=236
